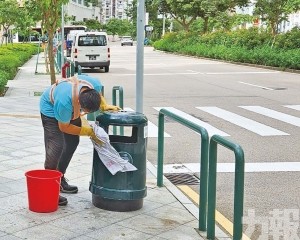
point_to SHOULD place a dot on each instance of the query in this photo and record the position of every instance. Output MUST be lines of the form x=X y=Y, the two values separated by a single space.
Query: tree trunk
x=51 y=58
x=205 y=25
x=273 y=28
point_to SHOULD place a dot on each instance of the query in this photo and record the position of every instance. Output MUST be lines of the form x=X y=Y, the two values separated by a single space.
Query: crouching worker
x=61 y=107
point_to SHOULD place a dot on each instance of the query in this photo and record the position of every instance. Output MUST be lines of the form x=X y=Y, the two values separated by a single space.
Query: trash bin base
x=117 y=205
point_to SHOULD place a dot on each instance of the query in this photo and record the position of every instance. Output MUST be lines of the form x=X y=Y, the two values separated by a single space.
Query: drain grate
x=182 y=179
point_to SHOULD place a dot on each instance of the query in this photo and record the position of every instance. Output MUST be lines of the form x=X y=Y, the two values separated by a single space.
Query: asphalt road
x=257 y=108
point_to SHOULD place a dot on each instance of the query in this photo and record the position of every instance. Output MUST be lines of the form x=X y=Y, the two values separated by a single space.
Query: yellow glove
x=96 y=139
x=105 y=107
x=87 y=130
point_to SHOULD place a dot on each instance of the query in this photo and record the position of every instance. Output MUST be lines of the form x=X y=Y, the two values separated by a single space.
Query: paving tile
x=110 y=216
x=14 y=202
x=9 y=237
x=181 y=232
x=114 y=232
x=45 y=231
x=15 y=163
x=88 y=223
x=46 y=217
x=148 y=224
x=176 y=205
x=173 y=214
x=3 y=180
x=77 y=204
x=2 y=233
x=156 y=238
x=83 y=237
x=15 y=186
x=3 y=194
x=155 y=195
x=12 y=222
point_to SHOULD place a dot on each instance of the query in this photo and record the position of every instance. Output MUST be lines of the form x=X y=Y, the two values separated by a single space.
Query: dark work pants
x=59 y=146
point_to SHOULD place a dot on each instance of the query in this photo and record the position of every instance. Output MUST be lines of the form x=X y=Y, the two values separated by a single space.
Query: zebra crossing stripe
x=295 y=107
x=253 y=126
x=152 y=128
x=274 y=114
x=210 y=129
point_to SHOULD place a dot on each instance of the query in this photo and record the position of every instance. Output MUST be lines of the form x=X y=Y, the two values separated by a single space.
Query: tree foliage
x=186 y=12
x=117 y=26
x=49 y=12
x=9 y=12
x=91 y=24
x=273 y=12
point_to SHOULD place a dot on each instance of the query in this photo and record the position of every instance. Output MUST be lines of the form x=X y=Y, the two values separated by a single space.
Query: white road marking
x=191 y=72
x=152 y=128
x=230 y=167
x=274 y=114
x=253 y=126
x=295 y=107
x=210 y=129
x=253 y=85
x=228 y=73
x=158 y=74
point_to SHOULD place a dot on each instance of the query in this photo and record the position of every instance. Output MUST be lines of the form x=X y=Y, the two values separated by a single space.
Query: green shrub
x=253 y=46
x=10 y=64
x=3 y=80
x=13 y=56
x=289 y=40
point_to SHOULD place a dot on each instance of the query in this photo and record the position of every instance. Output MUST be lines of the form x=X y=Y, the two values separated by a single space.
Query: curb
x=187 y=203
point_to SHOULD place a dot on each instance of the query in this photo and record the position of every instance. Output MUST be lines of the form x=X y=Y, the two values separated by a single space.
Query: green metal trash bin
x=123 y=191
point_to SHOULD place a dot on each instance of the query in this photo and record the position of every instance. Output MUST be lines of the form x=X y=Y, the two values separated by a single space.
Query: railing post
x=121 y=105
x=72 y=67
x=238 y=186
x=211 y=207
x=160 y=153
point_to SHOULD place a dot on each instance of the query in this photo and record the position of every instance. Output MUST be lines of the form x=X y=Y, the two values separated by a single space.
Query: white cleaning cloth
x=108 y=155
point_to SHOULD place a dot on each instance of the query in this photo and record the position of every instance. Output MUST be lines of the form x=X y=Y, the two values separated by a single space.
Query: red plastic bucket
x=43 y=188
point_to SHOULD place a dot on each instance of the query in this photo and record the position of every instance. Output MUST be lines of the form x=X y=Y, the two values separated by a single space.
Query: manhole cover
x=182 y=179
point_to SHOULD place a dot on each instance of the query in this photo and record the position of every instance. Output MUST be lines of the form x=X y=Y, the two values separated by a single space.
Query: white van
x=90 y=49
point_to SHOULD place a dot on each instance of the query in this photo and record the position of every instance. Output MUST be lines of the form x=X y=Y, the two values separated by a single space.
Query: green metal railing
x=238 y=186
x=204 y=159
x=121 y=105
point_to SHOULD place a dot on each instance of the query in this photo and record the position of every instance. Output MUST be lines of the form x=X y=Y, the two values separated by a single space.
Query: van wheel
x=106 y=69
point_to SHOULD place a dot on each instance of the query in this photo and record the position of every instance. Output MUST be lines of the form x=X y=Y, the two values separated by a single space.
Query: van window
x=92 y=40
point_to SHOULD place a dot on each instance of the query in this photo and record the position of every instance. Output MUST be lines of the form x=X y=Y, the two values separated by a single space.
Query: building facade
x=105 y=10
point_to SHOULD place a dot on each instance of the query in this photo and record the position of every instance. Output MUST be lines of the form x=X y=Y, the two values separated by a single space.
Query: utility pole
x=140 y=55
x=62 y=35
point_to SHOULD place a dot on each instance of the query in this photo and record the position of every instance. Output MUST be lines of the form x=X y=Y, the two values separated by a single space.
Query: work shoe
x=66 y=188
x=62 y=201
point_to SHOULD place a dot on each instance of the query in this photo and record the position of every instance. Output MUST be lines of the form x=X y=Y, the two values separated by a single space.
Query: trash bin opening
x=127 y=137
